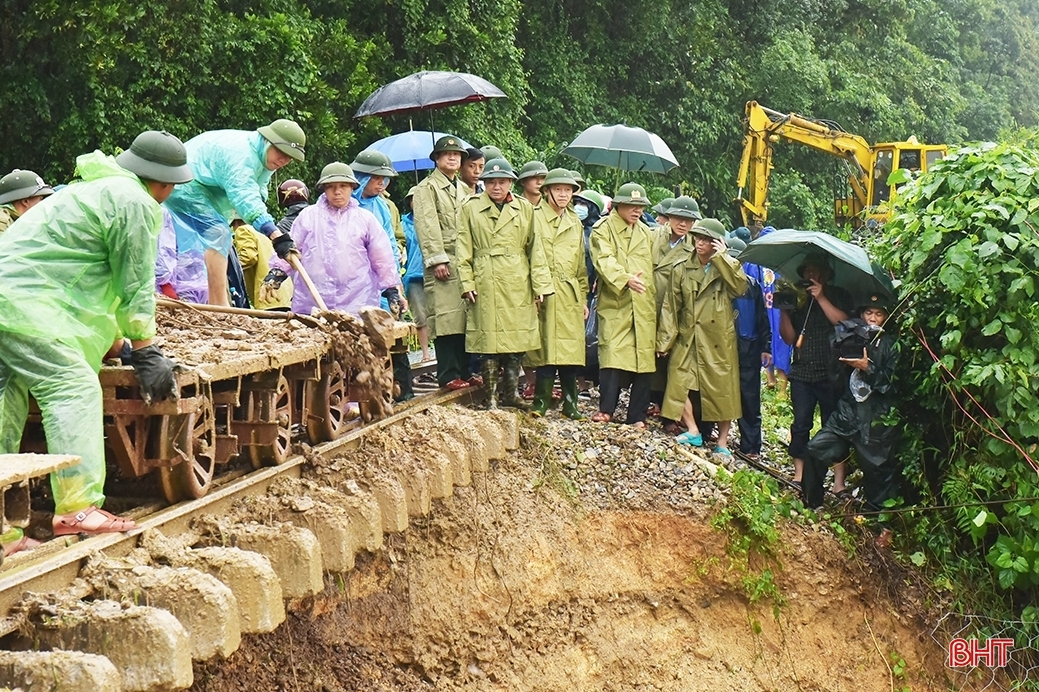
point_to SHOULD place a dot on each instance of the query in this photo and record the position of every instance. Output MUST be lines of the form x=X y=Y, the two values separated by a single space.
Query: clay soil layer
x=513 y=585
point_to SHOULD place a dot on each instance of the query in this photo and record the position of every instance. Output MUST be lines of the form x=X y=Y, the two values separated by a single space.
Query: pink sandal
x=70 y=524
x=22 y=544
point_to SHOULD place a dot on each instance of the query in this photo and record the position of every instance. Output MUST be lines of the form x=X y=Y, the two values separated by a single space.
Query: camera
x=805 y=283
x=784 y=300
x=851 y=337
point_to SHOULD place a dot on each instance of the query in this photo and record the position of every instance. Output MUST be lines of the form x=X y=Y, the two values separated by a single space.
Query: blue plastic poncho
x=378 y=207
x=782 y=352
x=415 y=268
x=78 y=271
x=230 y=168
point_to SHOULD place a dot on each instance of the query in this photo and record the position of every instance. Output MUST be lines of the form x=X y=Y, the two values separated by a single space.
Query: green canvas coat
x=7 y=216
x=562 y=314
x=501 y=258
x=436 y=203
x=665 y=259
x=698 y=330
x=627 y=320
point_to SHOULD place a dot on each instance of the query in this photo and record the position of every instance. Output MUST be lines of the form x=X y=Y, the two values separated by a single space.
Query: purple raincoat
x=182 y=267
x=347 y=254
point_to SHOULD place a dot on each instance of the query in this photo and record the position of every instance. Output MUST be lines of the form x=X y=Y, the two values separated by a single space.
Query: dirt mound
x=514 y=584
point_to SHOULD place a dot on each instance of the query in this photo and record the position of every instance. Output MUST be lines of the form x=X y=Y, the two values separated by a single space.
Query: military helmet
x=684 y=207
x=712 y=228
x=497 y=168
x=593 y=197
x=157 y=156
x=631 y=193
x=18 y=185
x=287 y=137
x=735 y=245
x=576 y=175
x=560 y=176
x=532 y=169
x=492 y=152
x=373 y=162
x=336 y=172
x=743 y=233
x=291 y=192
x=447 y=143
x=662 y=206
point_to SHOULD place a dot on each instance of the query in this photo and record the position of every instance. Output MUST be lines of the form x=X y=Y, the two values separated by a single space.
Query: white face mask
x=581 y=211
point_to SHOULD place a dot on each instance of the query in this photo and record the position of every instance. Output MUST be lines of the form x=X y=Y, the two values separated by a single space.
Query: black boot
x=509 y=383
x=489 y=370
x=569 y=387
x=542 y=396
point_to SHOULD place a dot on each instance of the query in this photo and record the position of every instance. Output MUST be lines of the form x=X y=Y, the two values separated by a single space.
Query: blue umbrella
x=410 y=150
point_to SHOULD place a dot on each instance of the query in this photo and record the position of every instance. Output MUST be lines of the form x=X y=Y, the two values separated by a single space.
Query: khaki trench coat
x=561 y=316
x=436 y=202
x=698 y=330
x=627 y=320
x=501 y=258
x=665 y=259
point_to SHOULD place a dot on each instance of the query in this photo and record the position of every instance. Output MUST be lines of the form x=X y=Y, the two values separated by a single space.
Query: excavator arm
x=764 y=127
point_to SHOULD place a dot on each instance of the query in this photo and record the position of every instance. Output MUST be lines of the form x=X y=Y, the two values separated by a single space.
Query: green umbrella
x=623 y=148
x=784 y=251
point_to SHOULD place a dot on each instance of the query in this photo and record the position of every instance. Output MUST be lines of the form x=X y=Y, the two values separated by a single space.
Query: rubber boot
x=542 y=396
x=489 y=370
x=509 y=383
x=569 y=387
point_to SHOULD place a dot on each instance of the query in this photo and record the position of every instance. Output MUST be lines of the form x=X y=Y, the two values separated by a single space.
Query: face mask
x=581 y=211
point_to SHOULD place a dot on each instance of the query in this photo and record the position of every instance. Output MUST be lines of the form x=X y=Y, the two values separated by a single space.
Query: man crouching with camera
x=814 y=374
x=859 y=422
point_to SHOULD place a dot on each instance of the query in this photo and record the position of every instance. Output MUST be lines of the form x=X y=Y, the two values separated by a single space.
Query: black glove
x=275 y=278
x=154 y=373
x=283 y=245
x=392 y=296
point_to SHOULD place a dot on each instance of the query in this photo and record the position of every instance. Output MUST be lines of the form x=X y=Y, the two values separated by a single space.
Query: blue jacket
x=413 y=270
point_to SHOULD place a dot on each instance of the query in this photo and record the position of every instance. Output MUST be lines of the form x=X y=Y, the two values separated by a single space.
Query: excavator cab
x=887 y=158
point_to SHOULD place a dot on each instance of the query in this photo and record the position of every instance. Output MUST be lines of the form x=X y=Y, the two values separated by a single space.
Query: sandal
x=688 y=438
x=845 y=495
x=23 y=543
x=640 y=424
x=69 y=524
x=653 y=411
x=723 y=451
x=600 y=417
x=475 y=380
x=456 y=384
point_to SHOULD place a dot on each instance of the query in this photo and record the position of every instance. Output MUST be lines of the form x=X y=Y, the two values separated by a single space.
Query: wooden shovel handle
x=293 y=259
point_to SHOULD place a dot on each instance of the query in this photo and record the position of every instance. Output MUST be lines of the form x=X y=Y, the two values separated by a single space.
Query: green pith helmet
x=684 y=207
x=593 y=197
x=18 y=185
x=497 y=168
x=735 y=245
x=712 y=228
x=491 y=152
x=336 y=172
x=576 y=175
x=287 y=137
x=447 y=143
x=532 y=169
x=560 y=176
x=373 y=163
x=631 y=193
x=157 y=156
x=663 y=205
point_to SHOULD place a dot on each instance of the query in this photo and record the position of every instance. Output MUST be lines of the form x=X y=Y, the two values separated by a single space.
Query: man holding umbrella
x=437 y=201
x=813 y=372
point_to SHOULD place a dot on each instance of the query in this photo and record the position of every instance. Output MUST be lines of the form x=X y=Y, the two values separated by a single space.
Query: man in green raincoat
x=502 y=270
x=78 y=276
x=20 y=191
x=436 y=204
x=671 y=247
x=622 y=253
x=563 y=313
x=698 y=330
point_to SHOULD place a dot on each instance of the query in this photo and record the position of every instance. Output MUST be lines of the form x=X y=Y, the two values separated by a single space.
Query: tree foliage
x=92 y=73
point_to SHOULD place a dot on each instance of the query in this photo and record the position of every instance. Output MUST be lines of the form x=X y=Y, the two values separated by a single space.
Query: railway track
x=56 y=564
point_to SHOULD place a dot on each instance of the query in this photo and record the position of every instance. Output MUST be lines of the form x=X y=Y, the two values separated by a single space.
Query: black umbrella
x=427 y=90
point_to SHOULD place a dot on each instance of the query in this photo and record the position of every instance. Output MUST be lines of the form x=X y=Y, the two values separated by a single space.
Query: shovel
x=293 y=260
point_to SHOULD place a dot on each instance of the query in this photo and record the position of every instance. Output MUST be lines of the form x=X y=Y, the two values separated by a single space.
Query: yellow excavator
x=866 y=197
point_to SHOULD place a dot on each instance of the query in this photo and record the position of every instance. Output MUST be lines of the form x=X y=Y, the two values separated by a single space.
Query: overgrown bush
x=965 y=245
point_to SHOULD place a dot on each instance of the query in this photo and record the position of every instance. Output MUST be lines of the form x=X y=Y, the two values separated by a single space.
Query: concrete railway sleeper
x=132 y=611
